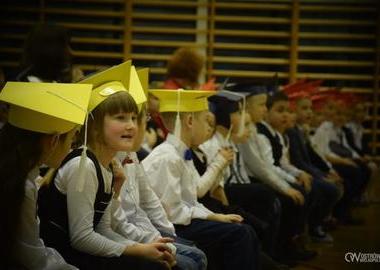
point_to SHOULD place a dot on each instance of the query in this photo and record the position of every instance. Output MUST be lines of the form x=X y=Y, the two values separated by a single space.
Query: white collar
x=178 y=144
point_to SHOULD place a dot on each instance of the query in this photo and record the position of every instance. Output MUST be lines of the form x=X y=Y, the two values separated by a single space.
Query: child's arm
x=31 y=250
x=220 y=195
x=80 y=205
x=151 y=204
x=211 y=178
x=268 y=158
x=175 y=188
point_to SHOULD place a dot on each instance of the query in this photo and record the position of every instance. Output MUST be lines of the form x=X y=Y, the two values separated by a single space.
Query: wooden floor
x=364 y=239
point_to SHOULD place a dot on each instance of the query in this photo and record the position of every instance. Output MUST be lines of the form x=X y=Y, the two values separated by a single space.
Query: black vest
x=52 y=207
x=274 y=142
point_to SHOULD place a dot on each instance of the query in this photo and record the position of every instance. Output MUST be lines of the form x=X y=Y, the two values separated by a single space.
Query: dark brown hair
x=20 y=152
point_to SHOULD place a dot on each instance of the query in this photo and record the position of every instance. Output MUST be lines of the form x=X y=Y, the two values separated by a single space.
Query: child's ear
x=54 y=141
x=188 y=120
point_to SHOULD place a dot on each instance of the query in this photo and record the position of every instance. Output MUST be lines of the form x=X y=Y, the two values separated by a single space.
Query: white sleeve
x=80 y=206
x=169 y=171
x=211 y=178
x=258 y=168
x=32 y=251
x=122 y=225
x=151 y=204
x=268 y=158
x=288 y=167
x=320 y=140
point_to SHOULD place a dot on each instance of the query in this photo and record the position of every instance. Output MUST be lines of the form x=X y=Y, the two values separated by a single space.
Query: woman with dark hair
x=43 y=119
x=47 y=55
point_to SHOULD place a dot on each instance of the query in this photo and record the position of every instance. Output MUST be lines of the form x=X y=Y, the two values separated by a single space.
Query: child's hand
x=296 y=196
x=227 y=153
x=230 y=218
x=349 y=162
x=305 y=180
x=156 y=251
x=119 y=177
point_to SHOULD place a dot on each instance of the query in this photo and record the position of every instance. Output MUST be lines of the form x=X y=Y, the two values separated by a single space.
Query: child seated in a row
x=228 y=243
x=82 y=227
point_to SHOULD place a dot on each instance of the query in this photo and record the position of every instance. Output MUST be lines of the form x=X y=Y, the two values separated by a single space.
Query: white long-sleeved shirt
x=32 y=252
x=327 y=133
x=212 y=147
x=103 y=241
x=213 y=176
x=138 y=213
x=357 y=131
x=253 y=155
x=267 y=154
x=285 y=162
x=174 y=180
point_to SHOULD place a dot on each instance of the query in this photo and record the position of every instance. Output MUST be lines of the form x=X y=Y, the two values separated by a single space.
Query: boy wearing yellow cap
x=174 y=179
x=43 y=118
x=81 y=227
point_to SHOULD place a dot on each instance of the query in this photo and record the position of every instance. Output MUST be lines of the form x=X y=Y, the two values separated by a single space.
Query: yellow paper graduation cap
x=144 y=79
x=51 y=108
x=122 y=77
x=182 y=100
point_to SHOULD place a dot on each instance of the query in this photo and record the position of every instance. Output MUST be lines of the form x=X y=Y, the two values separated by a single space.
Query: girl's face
x=57 y=148
x=120 y=131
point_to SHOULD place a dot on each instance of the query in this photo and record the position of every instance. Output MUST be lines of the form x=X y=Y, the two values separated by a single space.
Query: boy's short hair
x=169 y=118
x=276 y=97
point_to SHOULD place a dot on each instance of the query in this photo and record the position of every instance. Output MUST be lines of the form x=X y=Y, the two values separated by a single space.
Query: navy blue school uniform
x=327 y=194
x=263 y=216
x=293 y=220
x=331 y=140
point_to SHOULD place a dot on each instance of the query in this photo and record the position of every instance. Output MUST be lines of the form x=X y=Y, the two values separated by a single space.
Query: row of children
x=242 y=190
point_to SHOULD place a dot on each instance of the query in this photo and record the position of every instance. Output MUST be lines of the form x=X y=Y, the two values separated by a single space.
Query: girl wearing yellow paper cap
x=81 y=228
x=43 y=119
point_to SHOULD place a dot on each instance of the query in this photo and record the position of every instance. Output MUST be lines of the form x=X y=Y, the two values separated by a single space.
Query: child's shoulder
x=163 y=153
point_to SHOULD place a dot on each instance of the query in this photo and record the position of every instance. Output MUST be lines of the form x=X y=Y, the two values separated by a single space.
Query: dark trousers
x=227 y=245
x=325 y=197
x=355 y=180
x=259 y=201
x=293 y=218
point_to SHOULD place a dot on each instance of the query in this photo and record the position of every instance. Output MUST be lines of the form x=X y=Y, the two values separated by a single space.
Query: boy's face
x=304 y=111
x=211 y=125
x=277 y=115
x=329 y=109
x=257 y=107
x=291 y=119
x=360 y=113
x=140 y=133
x=339 y=116
x=153 y=103
x=200 y=128
x=235 y=120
